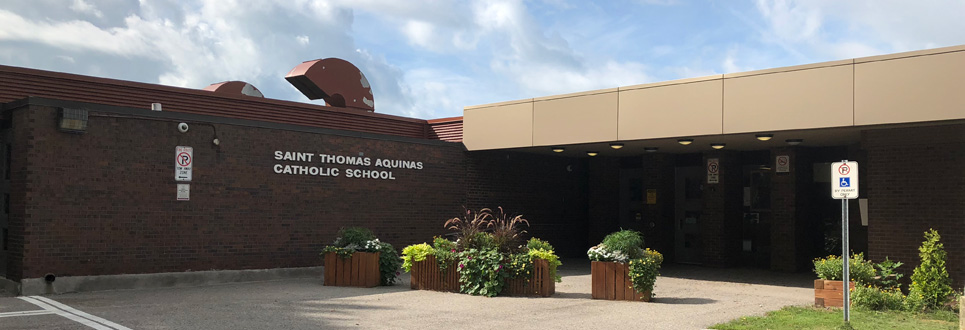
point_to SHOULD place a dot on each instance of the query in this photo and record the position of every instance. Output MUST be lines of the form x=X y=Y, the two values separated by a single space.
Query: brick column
x=789 y=202
x=720 y=222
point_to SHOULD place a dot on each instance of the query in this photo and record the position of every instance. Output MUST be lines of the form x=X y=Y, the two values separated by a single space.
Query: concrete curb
x=8 y=287
x=37 y=286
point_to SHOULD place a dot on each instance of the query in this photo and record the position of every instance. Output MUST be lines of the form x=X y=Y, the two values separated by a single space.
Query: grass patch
x=795 y=317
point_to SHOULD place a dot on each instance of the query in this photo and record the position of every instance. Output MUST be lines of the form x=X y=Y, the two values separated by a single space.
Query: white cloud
x=83 y=7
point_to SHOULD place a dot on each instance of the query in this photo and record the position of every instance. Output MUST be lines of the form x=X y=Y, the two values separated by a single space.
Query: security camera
x=183 y=127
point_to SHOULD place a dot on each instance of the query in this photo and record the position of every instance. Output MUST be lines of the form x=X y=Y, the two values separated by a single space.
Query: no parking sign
x=844 y=180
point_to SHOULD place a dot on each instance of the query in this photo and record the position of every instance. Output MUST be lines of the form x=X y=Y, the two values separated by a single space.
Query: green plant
x=888 y=275
x=389 y=262
x=413 y=253
x=930 y=279
x=878 y=299
x=480 y=272
x=353 y=237
x=340 y=252
x=519 y=265
x=832 y=267
x=628 y=242
x=505 y=230
x=644 y=271
x=551 y=258
x=445 y=252
x=536 y=243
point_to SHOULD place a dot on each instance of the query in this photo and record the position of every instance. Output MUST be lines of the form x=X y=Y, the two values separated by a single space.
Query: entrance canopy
x=822 y=104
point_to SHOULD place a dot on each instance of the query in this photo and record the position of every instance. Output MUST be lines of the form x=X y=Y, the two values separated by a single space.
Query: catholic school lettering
x=328 y=165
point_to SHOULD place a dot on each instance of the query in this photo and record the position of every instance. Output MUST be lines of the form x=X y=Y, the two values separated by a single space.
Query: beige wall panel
x=580 y=119
x=671 y=111
x=910 y=89
x=811 y=98
x=503 y=126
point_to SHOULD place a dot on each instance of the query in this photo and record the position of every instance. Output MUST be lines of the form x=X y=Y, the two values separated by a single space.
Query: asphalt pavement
x=686 y=297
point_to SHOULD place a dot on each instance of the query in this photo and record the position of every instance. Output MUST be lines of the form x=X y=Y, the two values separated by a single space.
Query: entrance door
x=689 y=188
x=631 y=199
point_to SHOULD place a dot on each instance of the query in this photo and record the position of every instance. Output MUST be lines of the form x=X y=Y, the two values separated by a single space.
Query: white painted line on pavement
x=26 y=313
x=82 y=314
x=70 y=316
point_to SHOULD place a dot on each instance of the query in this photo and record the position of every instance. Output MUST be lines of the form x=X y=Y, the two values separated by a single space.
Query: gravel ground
x=687 y=297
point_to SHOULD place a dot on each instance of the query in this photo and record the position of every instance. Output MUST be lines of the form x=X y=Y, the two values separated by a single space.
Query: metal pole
x=846 y=257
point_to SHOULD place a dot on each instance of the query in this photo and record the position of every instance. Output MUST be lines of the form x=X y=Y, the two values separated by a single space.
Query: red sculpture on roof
x=334 y=80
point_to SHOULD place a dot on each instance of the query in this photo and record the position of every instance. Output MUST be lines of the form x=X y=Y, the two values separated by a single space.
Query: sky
x=430 y=58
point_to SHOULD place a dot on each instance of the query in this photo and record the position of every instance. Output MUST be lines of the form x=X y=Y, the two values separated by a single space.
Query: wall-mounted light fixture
x=718 y=146
x=558 y=149
x=73 y=120
x=616 y=145
x=651 y=149
x=685 y=141
x=794 y=142
x=591 y=153
x=764 y=137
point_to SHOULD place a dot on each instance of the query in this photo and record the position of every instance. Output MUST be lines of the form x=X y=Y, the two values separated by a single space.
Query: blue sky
x=430 y=58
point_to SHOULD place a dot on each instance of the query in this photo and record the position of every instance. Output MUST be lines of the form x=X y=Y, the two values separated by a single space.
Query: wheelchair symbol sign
x=846 y=175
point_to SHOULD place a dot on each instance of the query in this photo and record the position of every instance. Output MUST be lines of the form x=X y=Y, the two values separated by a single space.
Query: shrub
x=832 y=267
x=930 y=279
x=873 y=298
x=888 y=277
x=413 y=253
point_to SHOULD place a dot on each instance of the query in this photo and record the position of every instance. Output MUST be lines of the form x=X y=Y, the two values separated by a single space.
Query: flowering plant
x=626 y=246
x=357 y=239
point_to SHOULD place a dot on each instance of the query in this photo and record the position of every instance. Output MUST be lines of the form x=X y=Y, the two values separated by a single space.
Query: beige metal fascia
x=687 y=107
x=498 y=126
x=926 y=52
x=910 y=87
x=575 y=118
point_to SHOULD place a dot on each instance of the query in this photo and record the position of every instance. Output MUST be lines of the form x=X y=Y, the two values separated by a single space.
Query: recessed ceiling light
x=591 y=153
x=616 y=145
x=685 y=141
x=558 y=149
x=651 y=149
x=718 y=146
x=764 y=137
x=794 y=142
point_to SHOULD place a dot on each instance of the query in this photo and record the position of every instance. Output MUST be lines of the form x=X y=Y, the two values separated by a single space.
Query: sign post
x=844 y=186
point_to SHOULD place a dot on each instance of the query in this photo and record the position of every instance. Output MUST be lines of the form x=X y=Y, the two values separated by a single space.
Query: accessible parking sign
x=844 y=180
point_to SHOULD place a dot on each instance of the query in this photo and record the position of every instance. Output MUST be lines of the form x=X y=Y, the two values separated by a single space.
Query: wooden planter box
x=541 y=284
x=611 y=281
x=426 y=275
x=829 y=293
x=361 y=269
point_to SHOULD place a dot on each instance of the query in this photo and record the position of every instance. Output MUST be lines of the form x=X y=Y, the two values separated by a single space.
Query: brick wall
x=916 y=181
x=547 y=190
x=104 y=202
